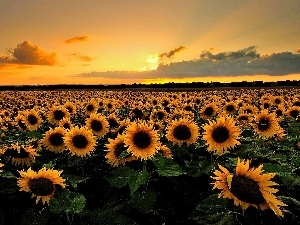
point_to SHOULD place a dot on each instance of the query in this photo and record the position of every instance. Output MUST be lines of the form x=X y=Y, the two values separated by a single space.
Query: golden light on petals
x=40 y=184
x=221 y=135
x=142 y=141
x=248 y=187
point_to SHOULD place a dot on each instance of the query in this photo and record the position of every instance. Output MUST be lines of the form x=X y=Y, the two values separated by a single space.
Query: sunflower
x=141 y=140
x=70 y=107
x=54 y=139
x=21 y=122
x=80 y=141
x=230 y=107
x=65 y=123
x=57 y=113
x=165 y=151
x=32 y=120
x=98 y=124
x=123 y=126
x=20 y=154
x=182 y=131
x=293 y=112
x=91 y=107
x=208 y=111
x=244 y=119
x=266 y=124
x=248 y=187
x=221 y=135
x=115 y=150
x=41 y=184
x=113 y=122
x=35 y=143
x=158 y=114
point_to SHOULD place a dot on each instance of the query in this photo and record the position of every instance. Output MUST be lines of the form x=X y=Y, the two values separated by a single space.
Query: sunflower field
x=87 y=157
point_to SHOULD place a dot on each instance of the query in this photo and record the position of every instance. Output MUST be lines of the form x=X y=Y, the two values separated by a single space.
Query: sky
x=157 y=41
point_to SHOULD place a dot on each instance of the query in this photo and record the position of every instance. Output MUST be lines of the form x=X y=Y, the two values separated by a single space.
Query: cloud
x=235 y=63
x=171 y=53
x=82 y=58
x=29 y=54
x=77 y=38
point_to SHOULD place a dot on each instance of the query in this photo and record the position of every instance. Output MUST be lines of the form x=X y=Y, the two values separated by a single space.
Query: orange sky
x=49 y=42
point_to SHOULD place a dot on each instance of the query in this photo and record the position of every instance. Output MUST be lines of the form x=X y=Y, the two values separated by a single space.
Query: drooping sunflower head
x=54 y=139
x=80 y=141
x=98 y=124
x=41 y=184
x=141 y=140
x=221 y=135
x=20 y=154
x=117 y=151
x=182 y=131
x=266 y=124
x=248 y=187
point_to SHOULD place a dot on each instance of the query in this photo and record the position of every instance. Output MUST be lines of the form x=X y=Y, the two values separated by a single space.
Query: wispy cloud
x=29 y=54
x=79 y=57
x=171 y=53
x=76 y=39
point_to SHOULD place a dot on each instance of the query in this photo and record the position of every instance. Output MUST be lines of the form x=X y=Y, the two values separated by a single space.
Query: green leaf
x=73 y=180
x=7 y=174
x=32 y=217
x=144 y=201
x=213 y=211
x=119 y=177
x=68 y=202
x=50 y=164
x=136 y=180
x=111 y=216
x=34 y=134
x=167 y=167
x=275 y=168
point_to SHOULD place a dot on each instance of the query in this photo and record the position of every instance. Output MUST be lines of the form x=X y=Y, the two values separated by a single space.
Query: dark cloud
x=236 y=63
x=171 y=53
x=77 y=38
x=82 y=58
x=29 y=54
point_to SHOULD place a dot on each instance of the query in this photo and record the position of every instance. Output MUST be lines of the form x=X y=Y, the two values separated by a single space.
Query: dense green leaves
x=144 y=201
x=167 y=167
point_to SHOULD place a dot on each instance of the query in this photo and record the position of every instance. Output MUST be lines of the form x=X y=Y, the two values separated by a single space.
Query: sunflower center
x=90 y=108
x=182 y=132
x=248 y=111
x=138 y=113
x=188 y=108
x=263 y=124
x=246 y=189
x=32 y=119
x=208 y=111
x=112 y=122
x=277 y=101
x=66 y=126
x=119 y=149
x=121 y=129
x=17 y=154
x=70 y=110
x=154 y=102
x=141 y=139
x=58 y=114
x=220 y=134
x=279 y=112
x=109 y=105
x=41 y=186
x=160 y=115
x=243 y=118
x=21 y=124
x=96 y=125
x=229 y=108
x=266 y=105
x=80 y=141
x=56 y=139
x=294 y=113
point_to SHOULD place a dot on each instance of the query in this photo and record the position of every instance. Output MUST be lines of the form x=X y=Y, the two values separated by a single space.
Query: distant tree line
x=170 y=86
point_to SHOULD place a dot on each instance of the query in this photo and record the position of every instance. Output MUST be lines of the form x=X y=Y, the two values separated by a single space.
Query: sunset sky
x=64 y=42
